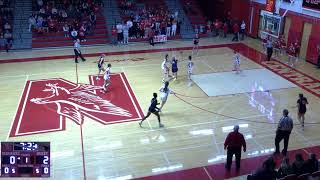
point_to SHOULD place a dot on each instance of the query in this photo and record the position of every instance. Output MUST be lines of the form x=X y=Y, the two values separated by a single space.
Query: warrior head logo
x=46 y=104
x=72 y=102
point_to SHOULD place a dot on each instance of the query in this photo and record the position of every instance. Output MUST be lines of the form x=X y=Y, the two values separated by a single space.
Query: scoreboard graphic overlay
x=25 y=159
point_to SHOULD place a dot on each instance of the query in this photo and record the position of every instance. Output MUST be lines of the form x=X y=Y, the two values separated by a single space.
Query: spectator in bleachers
x=7 y=26
x=267 y=171
x=8 y=39
x=120 y=32
x=125 y=28
x=40 y=3
x=32 y=22
x=285 y=168
x=174 y=28
x=82 y=33
x=114 y=35
x=42 y=12
x=52 y=25
x=225 y=29
x=298 y=167
x=168 y=30
x=312 y=164
x=150 y=35
x=54 y=12
x=45 y=26
x=63 y=16
x=93 y=19
x=74 y=34
x=235 y=29
x=65 y=29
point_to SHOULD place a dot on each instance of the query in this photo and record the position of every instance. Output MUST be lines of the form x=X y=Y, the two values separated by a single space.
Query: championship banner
x=160 y=39
x=311 y=4
x=270 y=5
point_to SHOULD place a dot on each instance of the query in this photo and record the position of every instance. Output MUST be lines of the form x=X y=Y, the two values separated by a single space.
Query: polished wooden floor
x=191 y=137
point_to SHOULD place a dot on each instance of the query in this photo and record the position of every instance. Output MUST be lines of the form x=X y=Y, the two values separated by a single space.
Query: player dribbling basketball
x=153 y=109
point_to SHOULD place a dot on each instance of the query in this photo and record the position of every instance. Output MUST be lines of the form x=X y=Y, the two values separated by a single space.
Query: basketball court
x=96 y=135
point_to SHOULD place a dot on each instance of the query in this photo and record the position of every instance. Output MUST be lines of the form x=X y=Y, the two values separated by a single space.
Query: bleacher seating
x=130 y=8
x=6 y=23
x=194 y=13
x=57 y=38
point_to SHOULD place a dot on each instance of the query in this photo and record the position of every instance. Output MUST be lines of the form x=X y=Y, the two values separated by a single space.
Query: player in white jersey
x=236 y=63
x=165 y=91
x=165 y=68
x=189 y=67
x=100 y=63
x=106 y=78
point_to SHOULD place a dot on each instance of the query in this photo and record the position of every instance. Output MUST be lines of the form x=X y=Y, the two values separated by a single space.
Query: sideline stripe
x=45 y=58
x=209 y=176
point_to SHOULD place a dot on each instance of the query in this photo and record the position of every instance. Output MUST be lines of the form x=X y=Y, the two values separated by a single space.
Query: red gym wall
x=295 y=30
x=241 y=10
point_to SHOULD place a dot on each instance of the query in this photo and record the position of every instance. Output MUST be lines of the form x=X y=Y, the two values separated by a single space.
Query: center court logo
x=46 y=104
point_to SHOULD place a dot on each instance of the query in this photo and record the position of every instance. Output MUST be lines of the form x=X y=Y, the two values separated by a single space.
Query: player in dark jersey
x=174 y=66
x=302 y=108
x=153 y=109
x=100 y=63
x=196 y=40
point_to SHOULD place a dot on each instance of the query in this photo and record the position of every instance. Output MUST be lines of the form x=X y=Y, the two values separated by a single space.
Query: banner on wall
x=311 y=4
x=270 y=5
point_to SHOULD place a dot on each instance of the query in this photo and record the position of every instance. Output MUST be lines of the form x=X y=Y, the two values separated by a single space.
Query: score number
x=45 y=170
x=6 y=170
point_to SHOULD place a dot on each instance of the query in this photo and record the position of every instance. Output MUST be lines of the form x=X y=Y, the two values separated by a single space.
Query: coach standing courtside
x=283 y=132
x=233 y=143
x=77 y=52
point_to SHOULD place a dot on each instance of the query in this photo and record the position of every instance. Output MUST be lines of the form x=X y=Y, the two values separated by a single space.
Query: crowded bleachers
x=299 y=168
x=57 y=23
x=146 y=18
x=6 y=22
x=195 y=15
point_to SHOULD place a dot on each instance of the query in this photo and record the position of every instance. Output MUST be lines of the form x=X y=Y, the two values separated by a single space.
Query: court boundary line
x=15 y=114
x=208 y=174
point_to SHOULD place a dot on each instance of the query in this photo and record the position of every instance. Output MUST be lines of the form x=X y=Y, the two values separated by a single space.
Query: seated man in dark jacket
x=298 y=167
x=311 y=165
x=267 y=171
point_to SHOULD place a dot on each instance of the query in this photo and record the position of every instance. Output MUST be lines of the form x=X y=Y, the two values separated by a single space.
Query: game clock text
x=25 y=159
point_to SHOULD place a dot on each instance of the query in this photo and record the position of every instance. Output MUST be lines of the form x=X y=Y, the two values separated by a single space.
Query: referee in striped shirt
x=283 y=132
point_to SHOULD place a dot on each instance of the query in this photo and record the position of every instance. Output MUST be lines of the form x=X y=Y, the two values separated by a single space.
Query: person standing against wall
x=233 y=143
x=243 y=30
x=269 y=48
